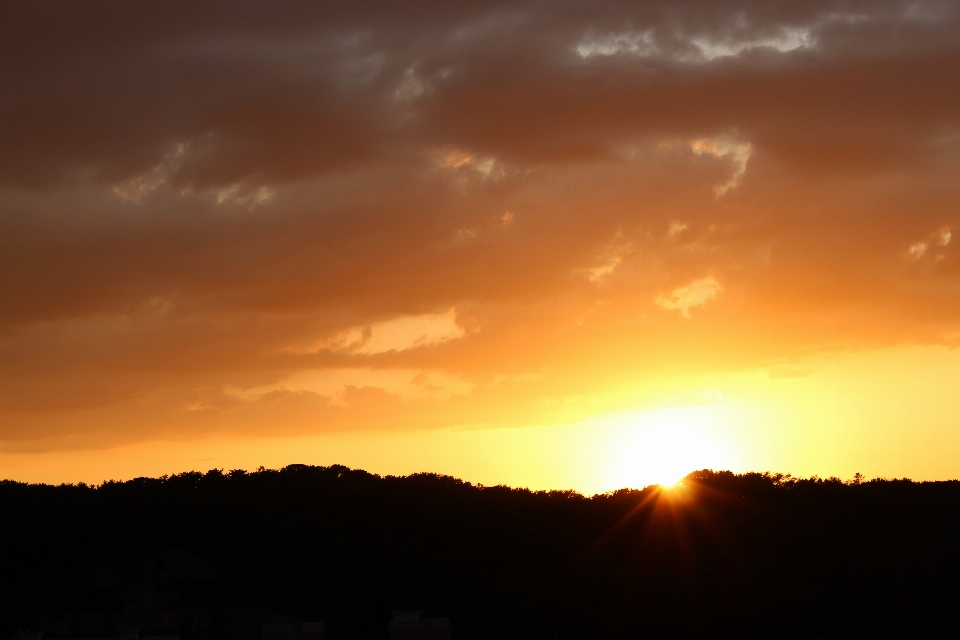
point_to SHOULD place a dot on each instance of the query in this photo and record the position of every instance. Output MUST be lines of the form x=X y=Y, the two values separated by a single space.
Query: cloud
x=405 y=332
x=696 y=294
x=460 y=160
x=676 y=228
x=420 y=160
x=695 y=48
x=135 y=189
x=609 y=258
x=398 y=334
x=916 y=251
x=919 y=251
x=641 y=44
x=737 y=152
x=411 y=87
x=237 y=195
x=464 y=236
x=943 y=236
x=784 y=40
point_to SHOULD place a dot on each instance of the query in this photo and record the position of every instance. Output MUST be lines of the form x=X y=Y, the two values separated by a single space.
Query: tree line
x=724 y=555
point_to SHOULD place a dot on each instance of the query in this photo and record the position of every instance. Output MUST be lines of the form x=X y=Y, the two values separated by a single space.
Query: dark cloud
x=269 y=93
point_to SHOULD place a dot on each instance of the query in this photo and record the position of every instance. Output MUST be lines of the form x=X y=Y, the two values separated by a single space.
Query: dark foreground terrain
x=728 y=556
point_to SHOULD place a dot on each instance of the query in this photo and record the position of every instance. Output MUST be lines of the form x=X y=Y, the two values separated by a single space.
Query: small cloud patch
x=136 y=189
x=638 y=44
x=236 y=195
x=462 y=161
x=696 y=294
x=464 y=236
x=694 y=49
x=786 y=39
x=738 y=152
x=411 y=87
x=927 y=250
x=676 y=228
x=609 y=258
x=406 y=332
x=916 y=251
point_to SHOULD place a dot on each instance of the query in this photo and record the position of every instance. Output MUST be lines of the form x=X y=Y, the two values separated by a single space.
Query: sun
x=662 y=447
x=671 y=479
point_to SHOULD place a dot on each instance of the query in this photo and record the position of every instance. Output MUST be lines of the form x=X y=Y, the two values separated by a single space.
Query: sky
x=571 y=244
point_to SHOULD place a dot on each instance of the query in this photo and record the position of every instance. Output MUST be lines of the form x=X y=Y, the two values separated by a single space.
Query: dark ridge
x=215 y=555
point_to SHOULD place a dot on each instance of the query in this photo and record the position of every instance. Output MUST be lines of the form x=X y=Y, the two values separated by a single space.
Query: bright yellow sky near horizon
x=884 y=413
x=577 y=246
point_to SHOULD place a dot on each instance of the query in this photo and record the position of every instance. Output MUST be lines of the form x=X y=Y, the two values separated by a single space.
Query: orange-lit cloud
x=696 y=294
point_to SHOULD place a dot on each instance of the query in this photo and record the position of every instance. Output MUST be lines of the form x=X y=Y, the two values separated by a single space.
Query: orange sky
x=578 y=245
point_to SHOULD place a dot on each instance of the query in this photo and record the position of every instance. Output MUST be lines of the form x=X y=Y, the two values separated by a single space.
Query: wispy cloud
x=737 y=152
x=924 y=250
x=609 y=44
x=695 y=48
x=783 y=40
x=136 y=189
x=696 y=294
x=609 y=258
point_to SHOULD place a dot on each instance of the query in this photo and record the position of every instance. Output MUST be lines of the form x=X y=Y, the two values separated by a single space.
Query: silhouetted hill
x=727 y=556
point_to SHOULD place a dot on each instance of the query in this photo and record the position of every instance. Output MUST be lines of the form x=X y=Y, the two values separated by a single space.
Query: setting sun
x=663 y=446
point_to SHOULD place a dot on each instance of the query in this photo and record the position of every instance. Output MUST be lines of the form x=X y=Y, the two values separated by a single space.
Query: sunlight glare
x=662 y=447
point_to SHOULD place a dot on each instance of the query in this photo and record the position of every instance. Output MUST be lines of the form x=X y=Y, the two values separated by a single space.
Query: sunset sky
x=548 y=244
